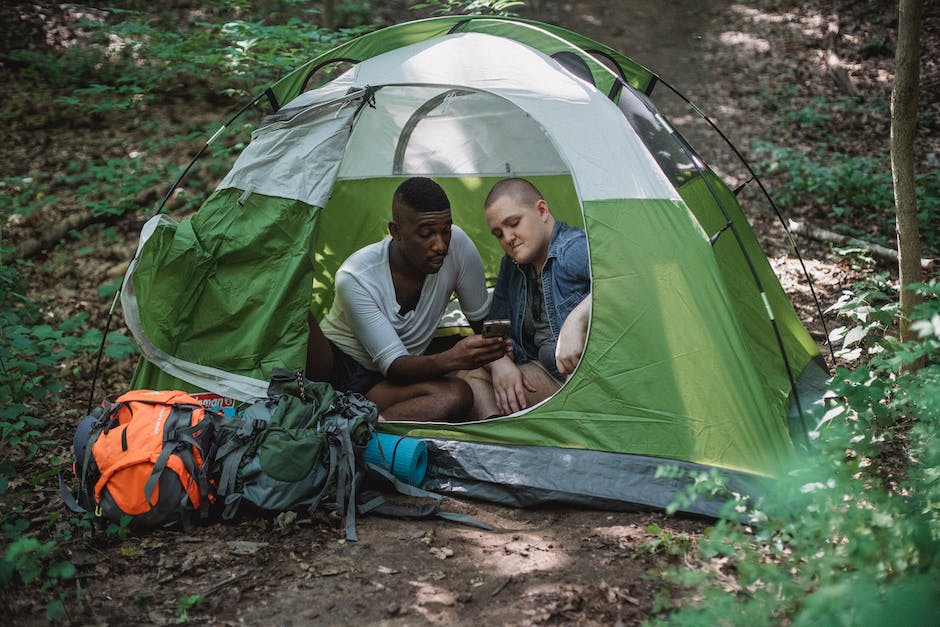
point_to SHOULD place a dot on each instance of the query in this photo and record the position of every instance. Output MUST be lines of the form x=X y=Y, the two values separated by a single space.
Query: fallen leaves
x=244 y=547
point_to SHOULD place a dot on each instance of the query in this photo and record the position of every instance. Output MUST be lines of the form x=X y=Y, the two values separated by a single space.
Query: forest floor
x=540 y=566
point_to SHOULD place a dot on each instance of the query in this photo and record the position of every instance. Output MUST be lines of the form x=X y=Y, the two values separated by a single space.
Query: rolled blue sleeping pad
x=405 y=458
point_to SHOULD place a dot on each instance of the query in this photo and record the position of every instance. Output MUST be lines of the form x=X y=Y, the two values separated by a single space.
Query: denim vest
x=566 y=280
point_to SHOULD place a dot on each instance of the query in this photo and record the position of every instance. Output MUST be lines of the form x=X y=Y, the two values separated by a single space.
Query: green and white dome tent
x=695 y=358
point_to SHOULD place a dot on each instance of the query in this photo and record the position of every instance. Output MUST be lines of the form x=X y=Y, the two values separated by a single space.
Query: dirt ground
x=541 y=566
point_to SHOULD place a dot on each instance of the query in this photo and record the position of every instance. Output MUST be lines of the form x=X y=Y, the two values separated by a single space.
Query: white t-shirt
x=365 y=321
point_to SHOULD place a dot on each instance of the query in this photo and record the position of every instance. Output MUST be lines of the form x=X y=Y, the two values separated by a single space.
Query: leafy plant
x=870 y=310
x=109 y=187
x=33 y=354
x=468 y=7
x=28 y=561
x=185 y=604
x=23 y=195
x=856 y=187
x=666 y=542
x=843 y=536
x=235 y=56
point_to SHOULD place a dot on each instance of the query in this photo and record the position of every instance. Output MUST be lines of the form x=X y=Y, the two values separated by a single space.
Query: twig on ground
x=218 y=586
x=501 y=587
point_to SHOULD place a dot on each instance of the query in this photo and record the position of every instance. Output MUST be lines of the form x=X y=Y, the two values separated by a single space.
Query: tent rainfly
x=695 y=357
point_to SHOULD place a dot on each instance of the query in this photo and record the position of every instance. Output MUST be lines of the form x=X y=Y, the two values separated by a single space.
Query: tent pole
x=729 y=224
x=783 y=222
x=107 y=326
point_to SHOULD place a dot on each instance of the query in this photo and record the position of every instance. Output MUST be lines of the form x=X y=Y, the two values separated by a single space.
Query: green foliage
x=185 y=604
x=846 y=538
x=820 y=111
x=127 y=58
x=666 y=542
x=33 y=356
x=109 y=187
x=870 y=310
x=120 y=529
x=23 y=195
x=855 y=189
x=116 y=186
x=28 y=561
x=470 y=7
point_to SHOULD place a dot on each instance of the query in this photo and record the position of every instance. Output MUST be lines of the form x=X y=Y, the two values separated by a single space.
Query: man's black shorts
x=349 y=375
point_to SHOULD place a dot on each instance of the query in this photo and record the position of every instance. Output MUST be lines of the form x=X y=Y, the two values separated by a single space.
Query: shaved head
x=521 y=191
x=418 y=195
x=518 y=216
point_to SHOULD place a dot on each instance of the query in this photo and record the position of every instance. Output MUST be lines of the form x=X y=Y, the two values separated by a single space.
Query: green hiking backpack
x=299 y=449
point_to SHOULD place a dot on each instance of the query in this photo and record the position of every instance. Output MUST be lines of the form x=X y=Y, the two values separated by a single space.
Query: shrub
x=855 y=189
x=847 y=538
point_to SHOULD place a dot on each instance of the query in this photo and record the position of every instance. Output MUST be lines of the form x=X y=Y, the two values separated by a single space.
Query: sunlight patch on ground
x=884 y=77
x=757 y=15
x=630 y=539
x=520 y=553
x=434 y=603
x=745 y=41
x=808 y=25
x=728 y=109
x=791 y=274
x=590 y=19
x=624 y=535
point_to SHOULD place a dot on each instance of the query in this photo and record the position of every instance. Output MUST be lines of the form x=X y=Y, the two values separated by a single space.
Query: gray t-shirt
x=537 y=338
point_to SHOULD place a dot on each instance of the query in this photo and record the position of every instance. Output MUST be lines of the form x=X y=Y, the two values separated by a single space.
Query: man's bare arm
x=572 y=336
x=469 y=353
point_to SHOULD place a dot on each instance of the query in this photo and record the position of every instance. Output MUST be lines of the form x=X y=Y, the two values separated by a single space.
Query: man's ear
x=393 y=229
x=542 y=207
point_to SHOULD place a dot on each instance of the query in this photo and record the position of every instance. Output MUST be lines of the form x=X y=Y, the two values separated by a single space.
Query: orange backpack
x=147 y=455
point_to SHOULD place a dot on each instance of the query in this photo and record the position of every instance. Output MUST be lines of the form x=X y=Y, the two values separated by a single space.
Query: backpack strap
x=204 y=476
x=343 y=468
x=65 y=493
x=231 y=454
x=197 y=474
x=348 y=480
x=99 y=421
x=379 y=506
x=174 y=434
x=328 y=482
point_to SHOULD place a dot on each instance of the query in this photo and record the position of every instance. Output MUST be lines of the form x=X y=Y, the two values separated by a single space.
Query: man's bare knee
x=442 y=399
x=455 y=396
x=543 y=383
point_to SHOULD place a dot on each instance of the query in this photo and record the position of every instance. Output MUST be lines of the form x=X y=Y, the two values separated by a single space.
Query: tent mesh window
x=667 y=146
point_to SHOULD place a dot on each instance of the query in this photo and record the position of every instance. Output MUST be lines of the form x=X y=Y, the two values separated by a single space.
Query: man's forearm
x=572 y=336
x=414 y=368
x=581 y=313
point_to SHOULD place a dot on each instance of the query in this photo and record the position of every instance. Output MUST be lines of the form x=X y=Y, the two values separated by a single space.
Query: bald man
x=543 y=289
x=390 y=297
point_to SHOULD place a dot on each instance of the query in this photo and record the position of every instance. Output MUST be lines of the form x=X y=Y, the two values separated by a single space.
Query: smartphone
x=496 y=328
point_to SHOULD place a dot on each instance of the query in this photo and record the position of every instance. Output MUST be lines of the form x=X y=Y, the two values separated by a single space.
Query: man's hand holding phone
x=496 y=328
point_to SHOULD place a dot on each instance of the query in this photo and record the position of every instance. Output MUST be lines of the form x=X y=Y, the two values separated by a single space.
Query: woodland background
x=105 y=102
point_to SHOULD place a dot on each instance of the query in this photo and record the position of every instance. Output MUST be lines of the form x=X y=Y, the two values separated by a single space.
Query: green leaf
x=61 y=570
x=55 y=611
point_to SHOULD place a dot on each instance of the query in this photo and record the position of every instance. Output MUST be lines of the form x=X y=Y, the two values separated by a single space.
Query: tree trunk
x=903 y=127
x=328 y=15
